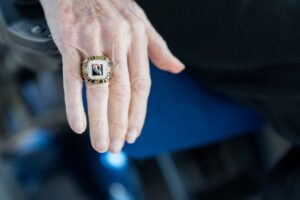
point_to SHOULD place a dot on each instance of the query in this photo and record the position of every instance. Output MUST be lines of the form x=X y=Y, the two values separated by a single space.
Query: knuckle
x=162 y=61
x=119 y=33
x=98 y=124
x=66 y=15
x=120 y=67
x=121 y=91
x=72 y=81
x=117 y=125
x=138 y=26
x=72 y=76
x=123 y=26
x=117 y=129
x=142 y=86
x=137 y=117
x=137 y=9
x=90 y=23
x=95 y=90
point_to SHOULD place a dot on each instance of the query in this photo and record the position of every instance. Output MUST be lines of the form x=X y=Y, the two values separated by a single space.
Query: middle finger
x=120 y=92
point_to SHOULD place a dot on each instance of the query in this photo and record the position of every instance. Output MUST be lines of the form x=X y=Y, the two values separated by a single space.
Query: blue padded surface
x=182 y=115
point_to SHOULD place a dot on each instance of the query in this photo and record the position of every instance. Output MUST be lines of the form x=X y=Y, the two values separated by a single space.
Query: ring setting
x=96 y=69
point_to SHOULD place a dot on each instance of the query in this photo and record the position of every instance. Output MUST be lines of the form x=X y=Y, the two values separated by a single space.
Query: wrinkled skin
x=120 y=30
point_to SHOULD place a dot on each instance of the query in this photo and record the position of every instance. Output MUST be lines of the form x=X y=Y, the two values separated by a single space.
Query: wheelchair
x=193 y=130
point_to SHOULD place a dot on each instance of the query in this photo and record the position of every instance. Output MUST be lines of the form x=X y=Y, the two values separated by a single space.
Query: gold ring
x=96 y=69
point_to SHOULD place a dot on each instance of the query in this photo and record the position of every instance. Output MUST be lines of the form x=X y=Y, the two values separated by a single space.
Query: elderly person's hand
x=120 y=30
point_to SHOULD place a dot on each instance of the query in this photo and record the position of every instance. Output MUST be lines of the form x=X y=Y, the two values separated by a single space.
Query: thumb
x=160 y=54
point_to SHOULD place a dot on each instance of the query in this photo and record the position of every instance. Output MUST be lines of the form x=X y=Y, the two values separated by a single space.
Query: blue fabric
x=182 y=115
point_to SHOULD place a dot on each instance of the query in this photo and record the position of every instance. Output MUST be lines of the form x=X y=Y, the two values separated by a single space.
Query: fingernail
x=101 y=146
x=116 y=146
x=78 y=125
x=131 y=136
x=181 y=65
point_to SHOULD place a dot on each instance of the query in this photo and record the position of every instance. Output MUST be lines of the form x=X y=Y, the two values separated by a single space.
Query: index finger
x=73 y=92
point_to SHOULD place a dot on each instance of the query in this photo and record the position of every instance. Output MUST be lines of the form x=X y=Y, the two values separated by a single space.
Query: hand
x=120 y=30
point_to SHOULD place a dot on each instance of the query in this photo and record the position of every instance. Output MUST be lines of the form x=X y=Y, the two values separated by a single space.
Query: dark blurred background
x=213 y=146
